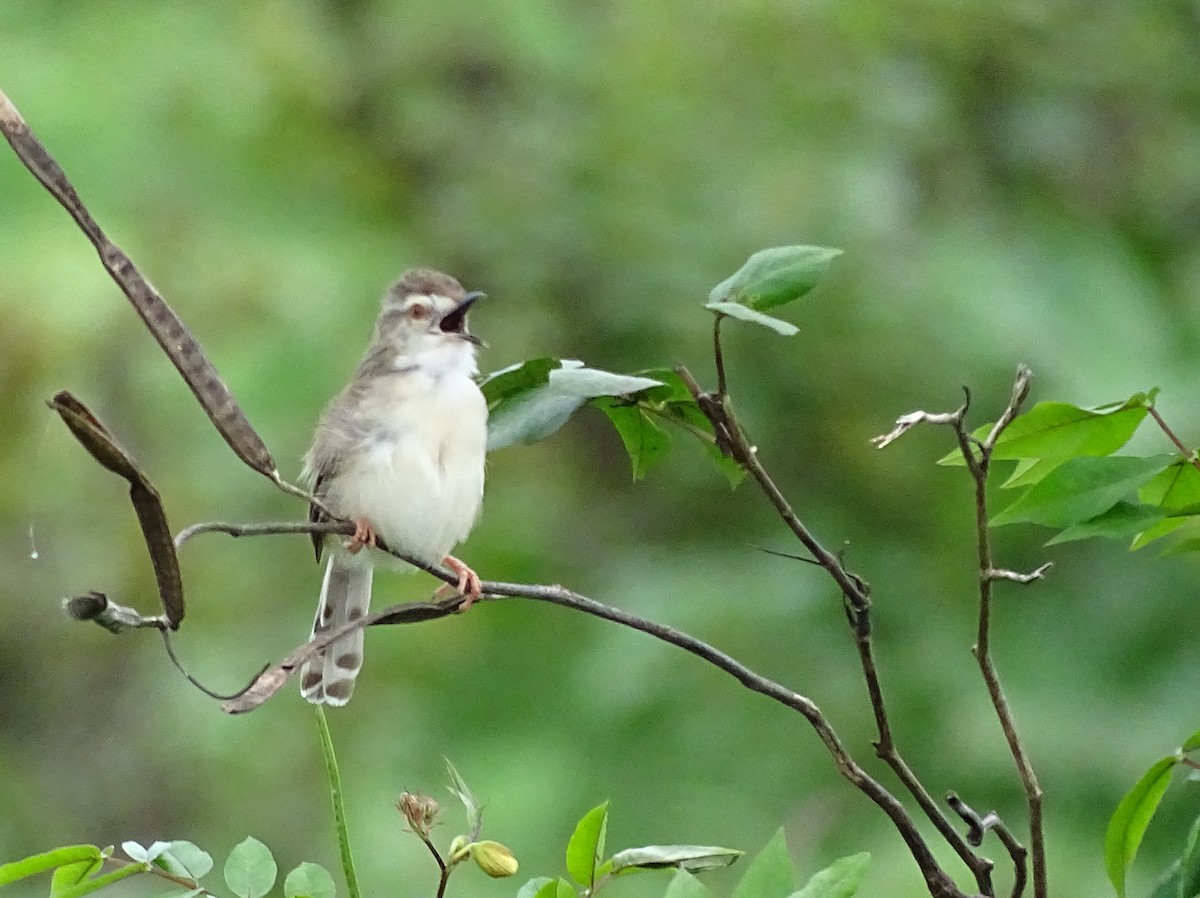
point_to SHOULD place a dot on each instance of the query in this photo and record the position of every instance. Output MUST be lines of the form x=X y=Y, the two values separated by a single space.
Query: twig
x=718 y=356
x=1188 y=454
x=979 y=466
x=167 y=328
x=718 y=408
x=275 y=676
x=1017 y=577
x=978 y=456
x=979 y=826
x=275 y=528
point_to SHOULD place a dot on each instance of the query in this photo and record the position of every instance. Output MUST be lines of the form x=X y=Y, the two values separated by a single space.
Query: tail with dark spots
x=345 y=596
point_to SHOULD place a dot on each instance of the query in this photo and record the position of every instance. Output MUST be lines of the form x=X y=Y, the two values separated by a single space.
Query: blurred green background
x=1013 y=182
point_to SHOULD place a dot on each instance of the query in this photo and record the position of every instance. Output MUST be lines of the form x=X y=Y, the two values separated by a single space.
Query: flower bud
x=419 y=810
x=493 y=859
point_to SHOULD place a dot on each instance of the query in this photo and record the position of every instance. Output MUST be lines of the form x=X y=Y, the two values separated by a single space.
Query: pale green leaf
x=309 y=880
x=776 y=276
x=1128 y=823
x=685 y=885
x=840 y=879
x=250 y=870
x=770 y=874
x=687 y=857
x=743 y=313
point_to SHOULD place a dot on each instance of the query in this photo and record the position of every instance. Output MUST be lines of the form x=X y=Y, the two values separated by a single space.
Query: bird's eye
x=418 y=312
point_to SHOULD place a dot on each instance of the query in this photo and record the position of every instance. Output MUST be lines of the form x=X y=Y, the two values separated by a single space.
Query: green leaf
x=1080 y=489
x=771 y=874
x=685 y=885
x=70 y=875
x=744 y=313
x=1175 y=489
x=532 y=401
x=1123 y=521
x=1183 y=547
x=1128 y=823
x=586 y=847
x=645 y=442
x=1029 y=471
x=774 y=277
x=1191 y=743
x=1163 y=528
x=250 y=870
x=184 y=859
x=675 y=403
x=48 y=860
x=461 y=791
x=556 y=888
x=840 y=879
x=95 y=883
x=309 y=880
x=1058 y=430
x=533 y=887
x=686 y=857
x=1183 y=878
x=506 y=382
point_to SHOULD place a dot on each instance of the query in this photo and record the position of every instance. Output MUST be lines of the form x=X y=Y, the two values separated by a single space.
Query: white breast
x=418 y=477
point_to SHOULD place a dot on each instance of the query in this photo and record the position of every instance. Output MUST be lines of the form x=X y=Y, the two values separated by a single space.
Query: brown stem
x=978 y=458
x=717 y=407
x=1187 y=453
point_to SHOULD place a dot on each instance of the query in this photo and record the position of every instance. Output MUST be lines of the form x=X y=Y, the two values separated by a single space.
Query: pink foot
x=469 y=586
x=364 y=535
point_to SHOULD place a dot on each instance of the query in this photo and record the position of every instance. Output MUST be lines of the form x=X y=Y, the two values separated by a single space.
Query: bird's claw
x=364 y=535
x=469 y=585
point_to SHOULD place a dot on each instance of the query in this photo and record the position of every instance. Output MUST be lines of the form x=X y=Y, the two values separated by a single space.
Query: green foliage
x=771 y=873
x=775 y=277
x=587 y=866
x=309 y=880
x=249 y=871
x=1068 y=477
x=1182 y=878
x=840 y=879
x=1128 y=823
x=771 y=278
x=585 y=849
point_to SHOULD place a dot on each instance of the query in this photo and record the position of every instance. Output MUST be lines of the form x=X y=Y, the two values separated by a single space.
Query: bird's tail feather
x=328 y=678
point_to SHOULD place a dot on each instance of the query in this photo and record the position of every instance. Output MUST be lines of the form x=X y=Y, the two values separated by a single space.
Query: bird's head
x=424 y=319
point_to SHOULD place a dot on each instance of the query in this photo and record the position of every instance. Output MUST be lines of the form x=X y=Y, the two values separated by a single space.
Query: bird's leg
x=469 y=586
x=364 y=535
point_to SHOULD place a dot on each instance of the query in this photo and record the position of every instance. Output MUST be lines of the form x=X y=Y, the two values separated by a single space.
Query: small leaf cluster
x=1129 y=821
x=250 y=870
x=590 y=870
x=1071 y=479
x=530 y=401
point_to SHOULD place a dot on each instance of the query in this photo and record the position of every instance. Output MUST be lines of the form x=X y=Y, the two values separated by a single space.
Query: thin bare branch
x=160 y=319
x=1189 y=454
x=1016 y=576
x=979 y=466
x=978 y=826
x=100 y=609
x=731 y=436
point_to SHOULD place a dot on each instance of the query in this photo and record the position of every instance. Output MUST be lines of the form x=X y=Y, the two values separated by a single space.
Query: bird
x=400 y=452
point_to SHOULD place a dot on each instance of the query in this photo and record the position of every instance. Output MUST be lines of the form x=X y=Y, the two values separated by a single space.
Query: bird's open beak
x=455 y=321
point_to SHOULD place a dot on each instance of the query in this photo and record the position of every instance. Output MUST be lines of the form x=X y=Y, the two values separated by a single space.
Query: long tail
x=345 y=596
